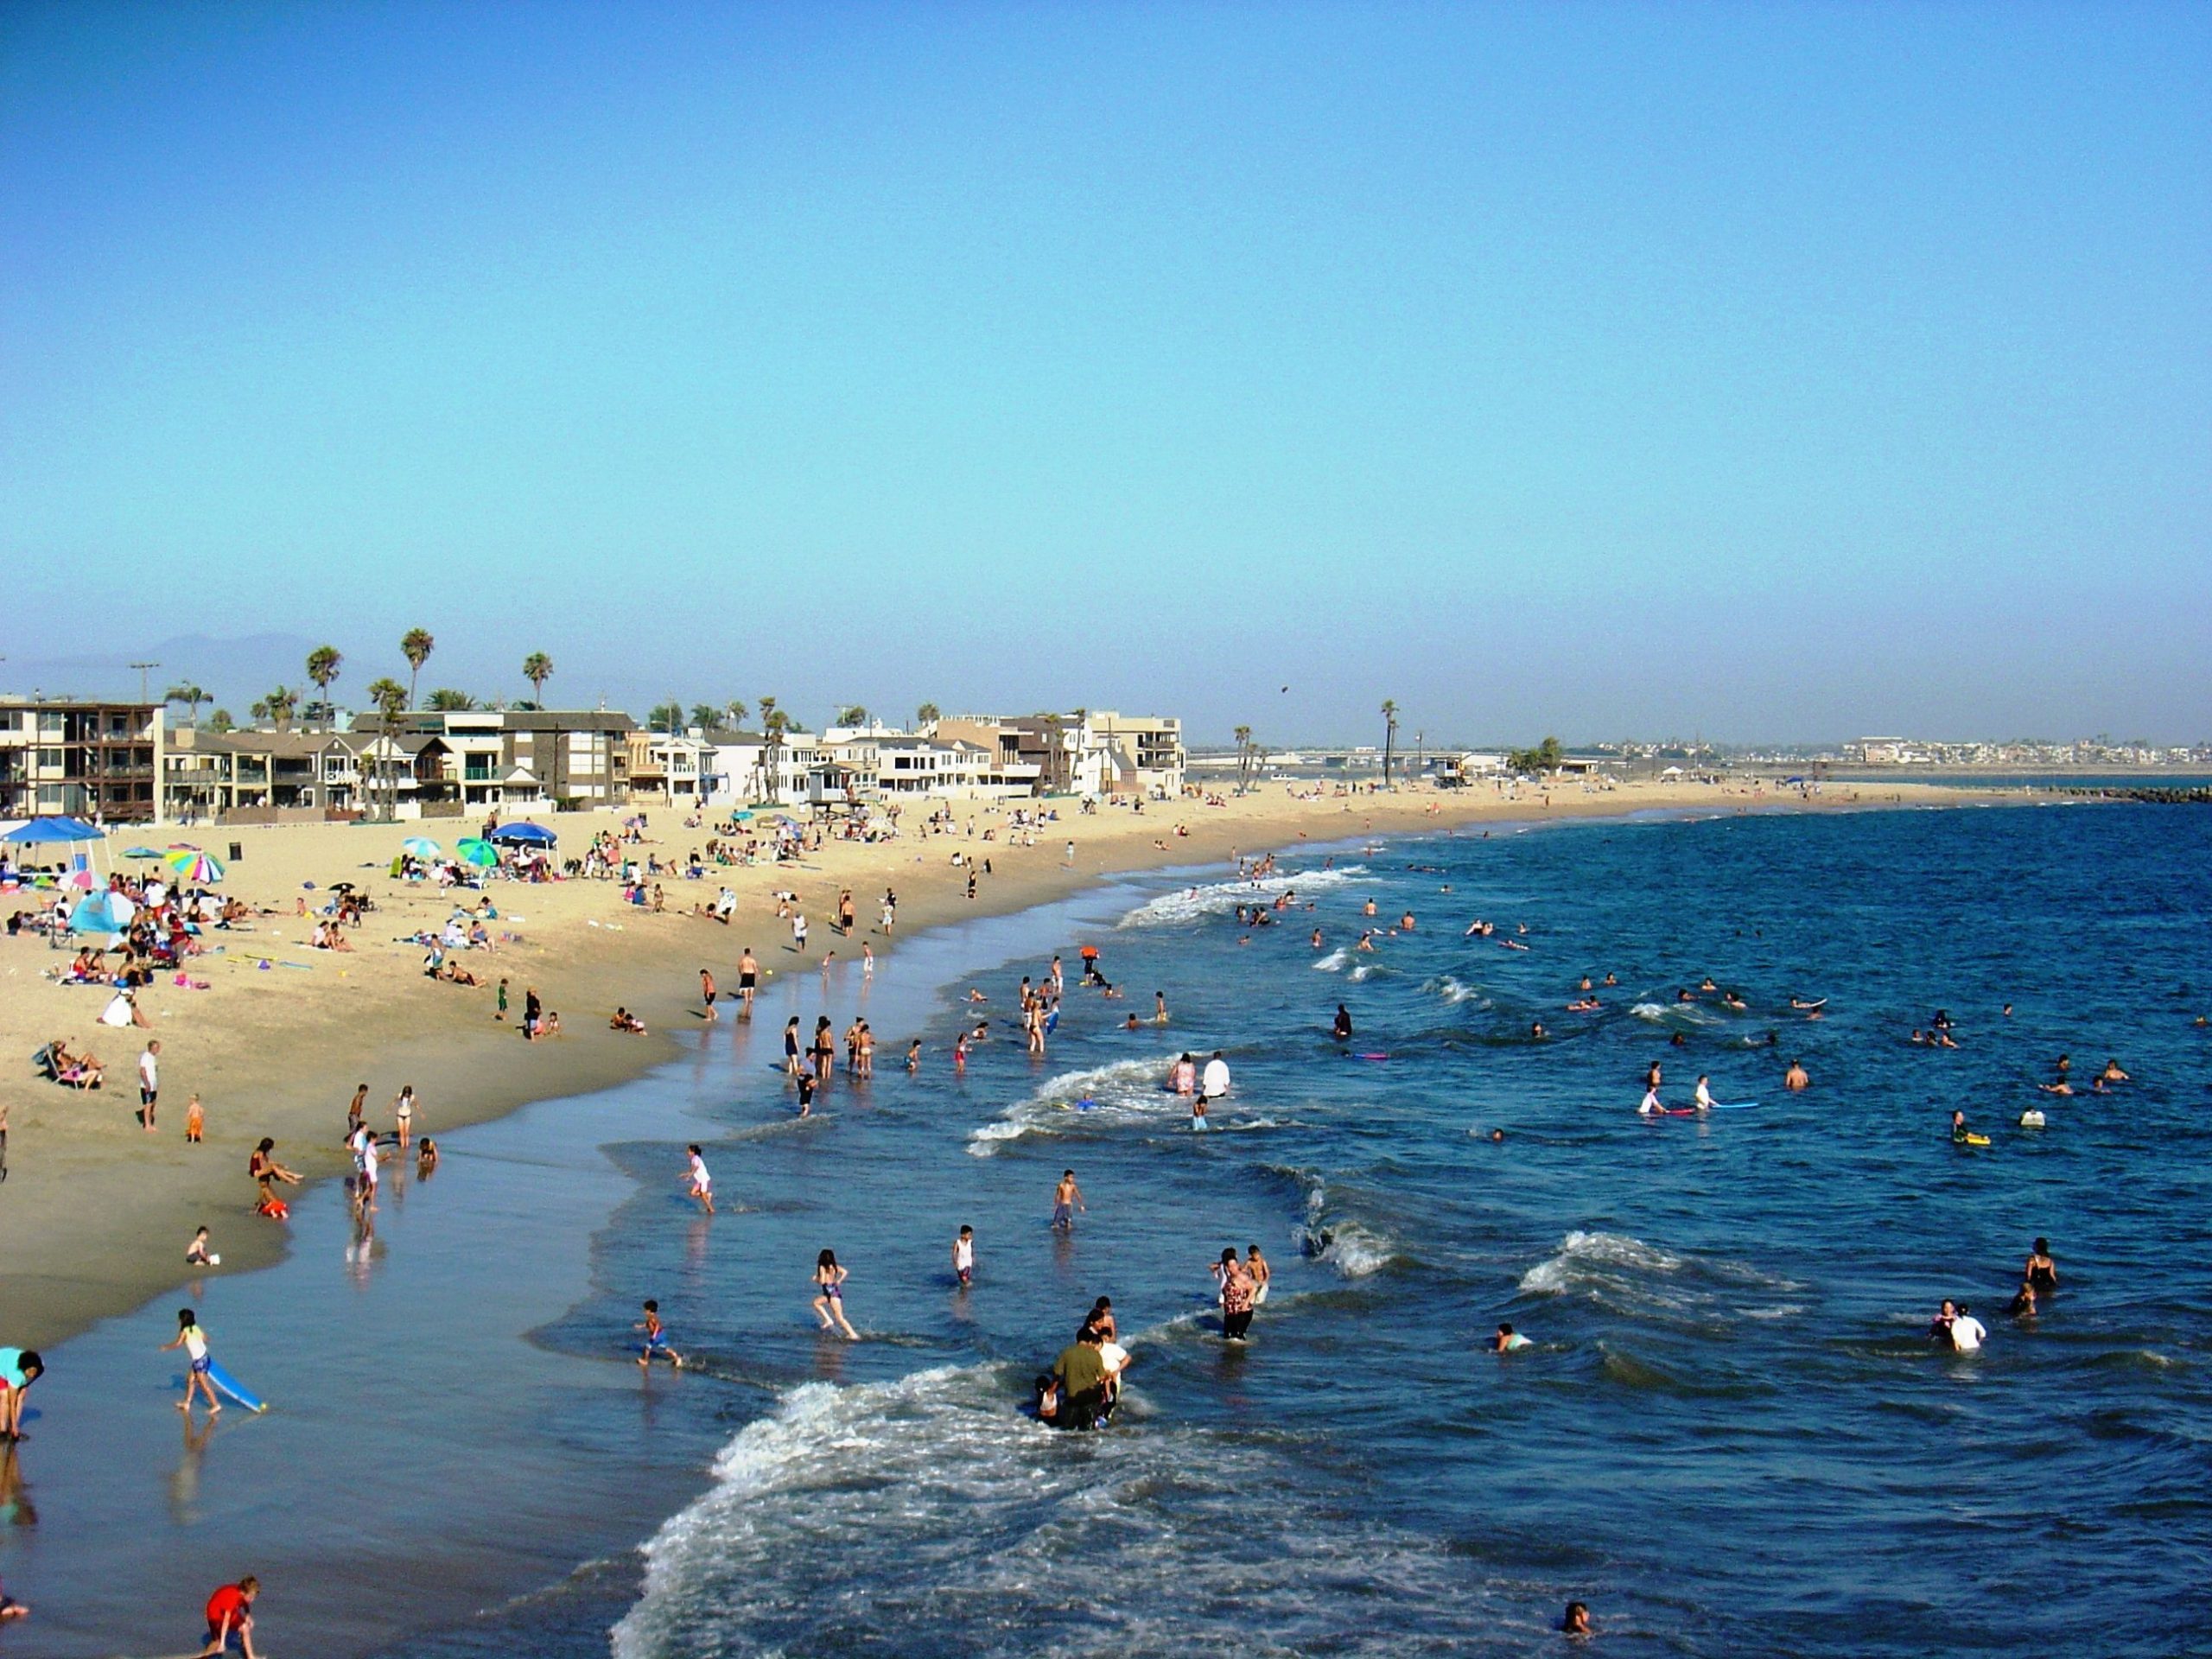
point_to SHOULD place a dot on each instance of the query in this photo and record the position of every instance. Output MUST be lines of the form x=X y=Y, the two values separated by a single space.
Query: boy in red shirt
x=230 y=1610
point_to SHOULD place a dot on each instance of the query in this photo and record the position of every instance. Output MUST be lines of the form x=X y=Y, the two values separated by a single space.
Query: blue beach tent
x=54 y=827
x=522 y=835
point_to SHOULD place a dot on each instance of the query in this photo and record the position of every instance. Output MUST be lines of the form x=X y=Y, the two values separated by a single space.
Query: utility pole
x=143 y=669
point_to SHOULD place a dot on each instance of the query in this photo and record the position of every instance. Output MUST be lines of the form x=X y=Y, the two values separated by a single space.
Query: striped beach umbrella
x=477 y=851
x=193 y=865
x=420 y=847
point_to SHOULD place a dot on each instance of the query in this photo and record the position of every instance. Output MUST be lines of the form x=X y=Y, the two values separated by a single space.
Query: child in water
x=656 y=1339
x=193 y=1341
x=963 y=1257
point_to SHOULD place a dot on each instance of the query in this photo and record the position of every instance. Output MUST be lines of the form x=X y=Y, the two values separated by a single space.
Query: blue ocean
x=1731 y=1433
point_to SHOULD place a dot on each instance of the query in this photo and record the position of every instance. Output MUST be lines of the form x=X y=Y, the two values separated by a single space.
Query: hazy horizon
x=1706 y=370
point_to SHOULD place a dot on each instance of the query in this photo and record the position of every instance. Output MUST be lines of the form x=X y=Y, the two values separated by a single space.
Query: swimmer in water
x=1537 y=1033
x=2112 y=1073
x=1704 y=1094
x=2039 y=1270
x=1507 y=1341
x=1497 y=1135
x=1795 y=1076
x=1650 y=1106
x=1651 y=1076
x=1343 y=1027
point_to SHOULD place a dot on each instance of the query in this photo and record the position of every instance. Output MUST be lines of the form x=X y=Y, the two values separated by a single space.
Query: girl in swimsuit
x=2041 y=1272
x=829 y=1299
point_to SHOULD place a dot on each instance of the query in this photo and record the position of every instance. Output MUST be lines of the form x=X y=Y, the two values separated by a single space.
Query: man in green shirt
x=1081 y=1370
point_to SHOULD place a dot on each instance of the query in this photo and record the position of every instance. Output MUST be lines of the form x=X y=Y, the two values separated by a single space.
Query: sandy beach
x=96 y=1212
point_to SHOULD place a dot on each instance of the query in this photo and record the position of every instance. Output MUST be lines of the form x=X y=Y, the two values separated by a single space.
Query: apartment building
x=89 y=759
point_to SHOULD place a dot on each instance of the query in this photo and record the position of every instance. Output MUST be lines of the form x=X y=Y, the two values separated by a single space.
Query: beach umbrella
x=193 y=867
x=102 y=913
x=478 y=851
x=420 y=847
x=522 y=835
x=141 y=851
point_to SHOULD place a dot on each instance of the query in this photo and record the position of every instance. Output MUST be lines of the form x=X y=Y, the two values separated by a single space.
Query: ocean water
x=1731 y=1435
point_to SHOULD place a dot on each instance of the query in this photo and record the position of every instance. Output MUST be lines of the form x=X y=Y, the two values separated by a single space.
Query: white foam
x=1453 y=991
x=925 y=1516
x=1626 y=1276
x=1126 y=1091
x=1334 y=962
x=1220 y=898
x=1346 y=1242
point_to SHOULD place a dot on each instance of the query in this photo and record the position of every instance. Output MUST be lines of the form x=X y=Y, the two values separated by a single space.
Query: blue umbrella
x=53 y=828
x=522 y=835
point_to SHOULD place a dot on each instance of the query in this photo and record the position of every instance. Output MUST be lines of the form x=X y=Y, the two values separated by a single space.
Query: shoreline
x=92 y=1227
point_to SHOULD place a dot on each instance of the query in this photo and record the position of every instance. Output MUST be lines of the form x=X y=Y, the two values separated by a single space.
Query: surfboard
x=226 y=1383
x=1734 y=1105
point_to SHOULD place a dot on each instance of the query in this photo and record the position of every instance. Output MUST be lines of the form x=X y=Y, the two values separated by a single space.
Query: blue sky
x=1759 y=371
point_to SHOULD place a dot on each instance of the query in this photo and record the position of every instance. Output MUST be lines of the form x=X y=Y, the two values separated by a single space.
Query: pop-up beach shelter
x=108 y=913
x=522 y=835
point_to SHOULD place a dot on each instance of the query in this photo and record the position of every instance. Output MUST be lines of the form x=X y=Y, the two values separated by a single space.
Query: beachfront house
x=1098 y=753
x=673 y=767
x=85 y=757
x=260 y=776
x=484 y=758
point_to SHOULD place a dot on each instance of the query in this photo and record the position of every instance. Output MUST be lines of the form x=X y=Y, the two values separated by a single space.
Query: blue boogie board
x=226 y=1384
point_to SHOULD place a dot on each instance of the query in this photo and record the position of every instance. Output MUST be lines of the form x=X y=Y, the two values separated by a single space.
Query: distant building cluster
x=124 y=762
x=2026 y=756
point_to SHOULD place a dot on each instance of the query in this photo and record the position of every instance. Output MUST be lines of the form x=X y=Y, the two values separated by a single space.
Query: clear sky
x=1764 y=372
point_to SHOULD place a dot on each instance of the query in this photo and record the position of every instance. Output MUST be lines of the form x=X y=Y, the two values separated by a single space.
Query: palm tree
x=705 y=715
x=772 y=729
x=927 y=715
x=1054 y=728
x=415 y=646
x=1243 y=756
x=852 y=714
x=391 y=699
x=187 y=692
x=1389 y=736
x=323 y=664
x=537 y=668
x=447 y=701
x=276 y=708
x=221 y=720
x=736 y=709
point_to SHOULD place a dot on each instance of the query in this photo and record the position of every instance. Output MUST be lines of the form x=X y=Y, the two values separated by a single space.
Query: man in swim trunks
x=706 y=993
x=1067 y=1197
